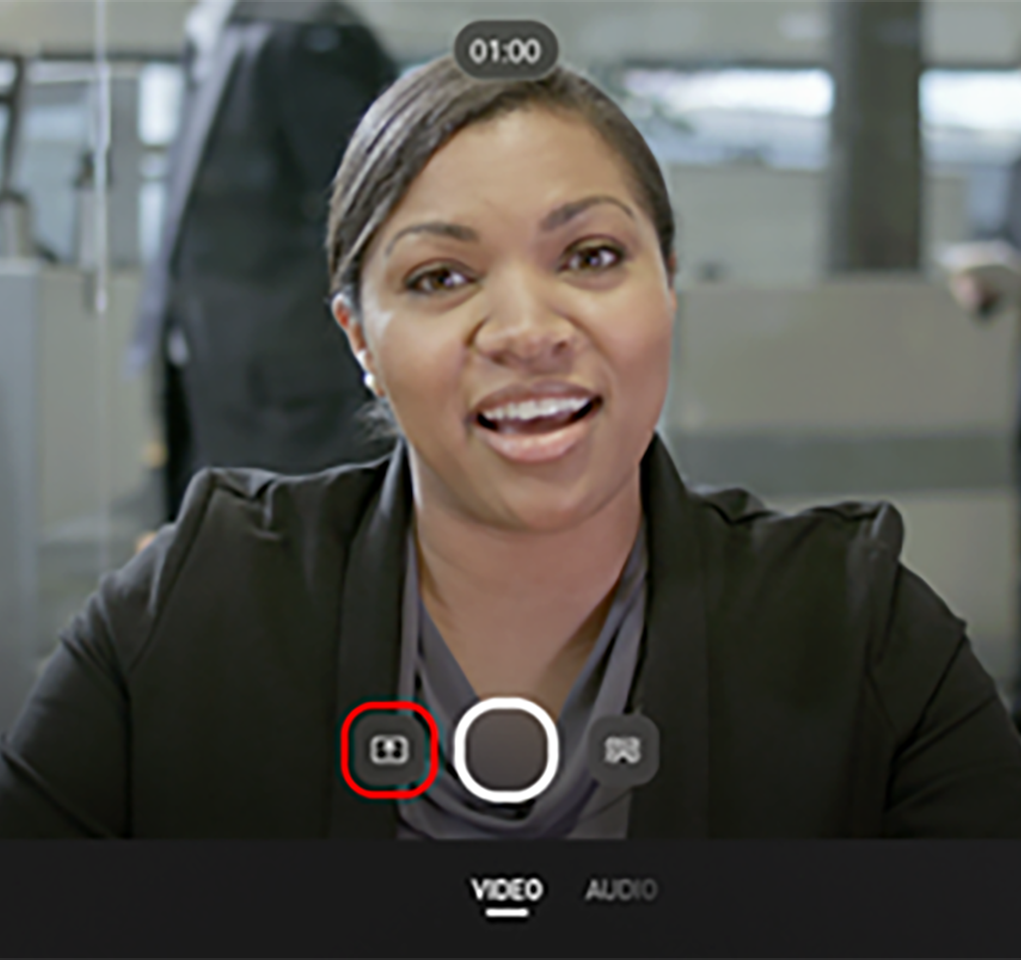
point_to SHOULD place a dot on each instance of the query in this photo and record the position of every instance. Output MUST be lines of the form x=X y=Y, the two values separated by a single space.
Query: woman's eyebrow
x=569 y=211
x=439 y=228
x=556 y=218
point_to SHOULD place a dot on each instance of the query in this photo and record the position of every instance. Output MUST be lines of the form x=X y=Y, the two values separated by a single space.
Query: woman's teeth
x=547 y=414
x=533 y=409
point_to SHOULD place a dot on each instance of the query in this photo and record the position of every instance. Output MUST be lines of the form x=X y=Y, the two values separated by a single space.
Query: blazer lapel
x=370 y=632
x=672 y=683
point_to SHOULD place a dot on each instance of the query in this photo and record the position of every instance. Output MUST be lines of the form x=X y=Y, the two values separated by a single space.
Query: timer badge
x=506 y=50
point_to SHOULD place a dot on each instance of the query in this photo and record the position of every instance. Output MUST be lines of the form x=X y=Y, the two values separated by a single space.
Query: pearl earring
x=368 y=378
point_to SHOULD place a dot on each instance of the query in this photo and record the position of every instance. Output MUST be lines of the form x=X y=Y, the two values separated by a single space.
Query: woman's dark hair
x=422 y=111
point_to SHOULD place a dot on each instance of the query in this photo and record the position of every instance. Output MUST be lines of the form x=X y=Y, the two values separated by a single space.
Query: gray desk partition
x=58 y=499
x=19 y=568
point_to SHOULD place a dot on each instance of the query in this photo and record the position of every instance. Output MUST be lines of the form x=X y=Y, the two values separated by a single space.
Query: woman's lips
x=539 y=447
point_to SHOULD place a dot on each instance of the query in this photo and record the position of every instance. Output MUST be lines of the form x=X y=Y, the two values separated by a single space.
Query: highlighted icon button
x=389 y=750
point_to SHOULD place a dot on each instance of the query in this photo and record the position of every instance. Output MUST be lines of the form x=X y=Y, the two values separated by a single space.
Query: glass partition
x=79 y=442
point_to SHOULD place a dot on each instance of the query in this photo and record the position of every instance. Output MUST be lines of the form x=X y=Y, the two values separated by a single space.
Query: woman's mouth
x=537 y=430
x=537 y=416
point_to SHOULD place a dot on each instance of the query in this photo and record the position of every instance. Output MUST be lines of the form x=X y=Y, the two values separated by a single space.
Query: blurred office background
x=818 y=354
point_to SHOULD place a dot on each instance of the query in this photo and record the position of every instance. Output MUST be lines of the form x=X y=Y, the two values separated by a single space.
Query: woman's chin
x=546 y=511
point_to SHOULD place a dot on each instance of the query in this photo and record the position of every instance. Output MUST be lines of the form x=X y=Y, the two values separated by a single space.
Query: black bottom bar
x=650 y=899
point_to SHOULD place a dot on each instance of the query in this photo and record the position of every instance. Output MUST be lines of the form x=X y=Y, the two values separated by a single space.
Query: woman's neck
x=519 y=610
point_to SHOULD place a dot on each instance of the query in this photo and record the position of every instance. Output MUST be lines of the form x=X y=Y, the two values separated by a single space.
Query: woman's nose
x=524 y=325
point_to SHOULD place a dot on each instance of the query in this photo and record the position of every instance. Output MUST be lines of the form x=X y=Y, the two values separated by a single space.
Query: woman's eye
x=596 y=258
x=435 y=281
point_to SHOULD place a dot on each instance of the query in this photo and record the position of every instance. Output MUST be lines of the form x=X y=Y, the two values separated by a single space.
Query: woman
x=502 y=261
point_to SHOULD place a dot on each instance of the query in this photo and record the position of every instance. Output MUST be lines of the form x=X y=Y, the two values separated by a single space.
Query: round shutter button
x=498 y=744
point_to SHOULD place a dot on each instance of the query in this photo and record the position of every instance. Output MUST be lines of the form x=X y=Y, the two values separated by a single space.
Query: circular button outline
x=552 y=750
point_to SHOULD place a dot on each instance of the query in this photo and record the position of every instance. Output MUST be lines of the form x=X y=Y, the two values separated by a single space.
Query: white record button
x=506 y=750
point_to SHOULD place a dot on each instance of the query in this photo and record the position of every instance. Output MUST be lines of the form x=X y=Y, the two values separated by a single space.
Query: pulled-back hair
x=422 y=111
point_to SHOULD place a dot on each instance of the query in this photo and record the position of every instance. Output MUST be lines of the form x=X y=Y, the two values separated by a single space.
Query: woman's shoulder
x=737 y=517
x=236 y=529
x=246 y=498
x=827 y=583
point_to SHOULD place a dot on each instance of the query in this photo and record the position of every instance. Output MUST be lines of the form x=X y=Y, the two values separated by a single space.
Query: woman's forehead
x=525 y=159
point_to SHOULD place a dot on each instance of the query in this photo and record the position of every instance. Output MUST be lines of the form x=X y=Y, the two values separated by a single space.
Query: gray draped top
x=574 y=806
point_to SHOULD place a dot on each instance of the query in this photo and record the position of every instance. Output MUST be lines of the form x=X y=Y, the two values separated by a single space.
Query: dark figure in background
x=255 y=371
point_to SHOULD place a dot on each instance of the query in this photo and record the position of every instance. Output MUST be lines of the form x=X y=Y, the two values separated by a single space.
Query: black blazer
x=241 y=272
x=805 y=683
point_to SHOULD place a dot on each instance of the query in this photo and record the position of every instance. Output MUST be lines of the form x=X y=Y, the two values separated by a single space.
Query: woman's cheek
x=644 y=347
x=647 y=369
x=428 y=381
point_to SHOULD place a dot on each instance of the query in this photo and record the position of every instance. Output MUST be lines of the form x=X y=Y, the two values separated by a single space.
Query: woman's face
x=517 y=313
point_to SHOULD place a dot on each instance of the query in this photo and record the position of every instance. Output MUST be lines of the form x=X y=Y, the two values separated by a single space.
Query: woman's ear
x=344 y=315
x=671 y=266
